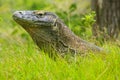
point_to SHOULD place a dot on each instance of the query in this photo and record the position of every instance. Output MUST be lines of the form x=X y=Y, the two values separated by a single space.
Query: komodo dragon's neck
x=73 y=42
x=50 y=33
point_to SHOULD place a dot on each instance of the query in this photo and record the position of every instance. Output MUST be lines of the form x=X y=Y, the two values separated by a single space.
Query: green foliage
x=88 y=19
x=20 y=58
x=0 y=19
x=72 y=7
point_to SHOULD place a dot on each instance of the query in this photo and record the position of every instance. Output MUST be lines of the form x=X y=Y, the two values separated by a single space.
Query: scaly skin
x=51 y=34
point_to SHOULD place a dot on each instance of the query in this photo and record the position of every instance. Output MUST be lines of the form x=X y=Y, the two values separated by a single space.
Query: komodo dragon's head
x=44 y=28
x=28 y=19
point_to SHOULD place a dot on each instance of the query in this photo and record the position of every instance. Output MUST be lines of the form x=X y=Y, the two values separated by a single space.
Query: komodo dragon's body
x=50 y=33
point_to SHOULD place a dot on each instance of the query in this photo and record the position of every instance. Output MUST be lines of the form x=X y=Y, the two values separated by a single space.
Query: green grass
x=25 y=62
x=20 y=58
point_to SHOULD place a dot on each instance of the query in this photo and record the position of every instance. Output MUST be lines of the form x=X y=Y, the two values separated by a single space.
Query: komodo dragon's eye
x=40 y=13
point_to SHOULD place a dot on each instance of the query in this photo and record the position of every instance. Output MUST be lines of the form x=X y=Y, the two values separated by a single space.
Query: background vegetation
x=20 y=58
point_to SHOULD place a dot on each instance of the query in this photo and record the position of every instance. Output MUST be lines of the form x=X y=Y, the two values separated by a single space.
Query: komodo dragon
x=50 y=33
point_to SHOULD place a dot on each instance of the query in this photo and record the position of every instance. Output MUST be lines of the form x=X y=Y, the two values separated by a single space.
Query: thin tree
x=107 y=18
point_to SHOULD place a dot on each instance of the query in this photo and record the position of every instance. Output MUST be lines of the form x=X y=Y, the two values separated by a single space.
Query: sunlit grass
x=25 y=61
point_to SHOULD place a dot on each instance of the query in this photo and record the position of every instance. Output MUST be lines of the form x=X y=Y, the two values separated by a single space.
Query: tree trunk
x=107 y=18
